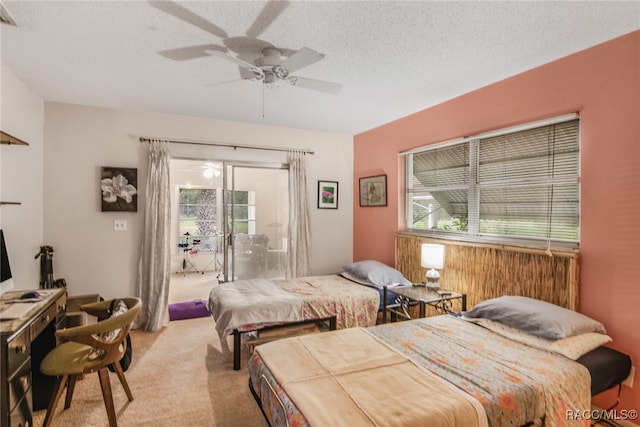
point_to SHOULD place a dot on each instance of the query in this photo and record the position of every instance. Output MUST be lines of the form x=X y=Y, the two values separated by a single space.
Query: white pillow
x=576 y=346
x=572 y=347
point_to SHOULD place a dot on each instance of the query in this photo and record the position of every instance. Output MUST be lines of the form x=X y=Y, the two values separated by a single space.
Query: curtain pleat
x=299 y=223
x=154 y=268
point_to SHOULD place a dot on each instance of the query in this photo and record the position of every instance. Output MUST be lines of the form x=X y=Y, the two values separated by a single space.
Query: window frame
x=251 y=220
x=472 y=233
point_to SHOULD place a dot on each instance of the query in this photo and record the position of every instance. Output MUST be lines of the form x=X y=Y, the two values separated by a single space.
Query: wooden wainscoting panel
x=485 y=271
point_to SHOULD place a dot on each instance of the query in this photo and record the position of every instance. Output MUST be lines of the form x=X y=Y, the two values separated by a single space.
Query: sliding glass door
x=256 y=213
x=230 y=219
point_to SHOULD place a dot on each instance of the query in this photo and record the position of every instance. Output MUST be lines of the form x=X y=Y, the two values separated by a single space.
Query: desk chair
x=92 y=348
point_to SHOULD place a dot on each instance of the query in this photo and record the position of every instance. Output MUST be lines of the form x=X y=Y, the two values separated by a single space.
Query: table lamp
x=432 y=258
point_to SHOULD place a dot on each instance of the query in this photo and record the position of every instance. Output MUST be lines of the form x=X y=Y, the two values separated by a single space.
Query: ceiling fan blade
x=255 y=69
x=301 y=59
x=226 y=82
x=269 y=13
x=191 y=52
x=184 y=14
x=319 y=85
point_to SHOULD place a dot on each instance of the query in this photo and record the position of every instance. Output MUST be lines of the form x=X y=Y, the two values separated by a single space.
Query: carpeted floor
x=179 y=377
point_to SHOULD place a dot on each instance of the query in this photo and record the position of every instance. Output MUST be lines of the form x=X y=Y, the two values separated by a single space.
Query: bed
x=440 y=371
x=337 y=301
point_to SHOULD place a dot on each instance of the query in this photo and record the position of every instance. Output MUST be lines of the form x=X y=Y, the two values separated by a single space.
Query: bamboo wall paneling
x=487 y=271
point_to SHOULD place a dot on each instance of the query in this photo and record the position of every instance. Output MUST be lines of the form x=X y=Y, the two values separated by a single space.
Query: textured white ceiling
x=393 y=58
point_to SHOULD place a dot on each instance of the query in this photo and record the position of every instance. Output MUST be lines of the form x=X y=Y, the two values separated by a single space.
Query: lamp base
x=433 y=279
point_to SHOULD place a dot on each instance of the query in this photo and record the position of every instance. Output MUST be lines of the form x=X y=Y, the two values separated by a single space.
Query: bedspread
x=515 y=383
x=249 y=304
x=250 y=301
x=342 y=377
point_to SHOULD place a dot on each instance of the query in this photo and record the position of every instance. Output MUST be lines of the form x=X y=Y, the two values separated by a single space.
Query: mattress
x=608 y=368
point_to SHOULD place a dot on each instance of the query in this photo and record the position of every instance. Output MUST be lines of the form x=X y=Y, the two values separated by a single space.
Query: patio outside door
x=256 y=214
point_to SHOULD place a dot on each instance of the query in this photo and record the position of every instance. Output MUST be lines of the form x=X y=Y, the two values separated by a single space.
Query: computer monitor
x=6 y=279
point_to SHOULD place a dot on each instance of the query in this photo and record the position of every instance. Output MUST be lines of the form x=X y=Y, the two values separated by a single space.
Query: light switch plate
x=119 y=225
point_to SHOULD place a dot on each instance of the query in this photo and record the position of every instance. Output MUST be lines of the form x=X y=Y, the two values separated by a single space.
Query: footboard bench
x=277 y=331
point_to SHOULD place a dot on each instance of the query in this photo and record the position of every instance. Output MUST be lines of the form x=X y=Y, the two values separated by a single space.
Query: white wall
x=21 y=115
x=80 y=140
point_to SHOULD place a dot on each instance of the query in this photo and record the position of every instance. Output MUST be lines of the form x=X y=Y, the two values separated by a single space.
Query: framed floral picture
x=373 y=191
x=119 y=189
x=327 y=195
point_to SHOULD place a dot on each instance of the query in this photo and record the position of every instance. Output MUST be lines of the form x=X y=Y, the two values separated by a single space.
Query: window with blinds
x=508 y=185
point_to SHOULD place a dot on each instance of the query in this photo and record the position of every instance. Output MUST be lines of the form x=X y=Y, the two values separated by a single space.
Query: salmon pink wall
x=602 y=84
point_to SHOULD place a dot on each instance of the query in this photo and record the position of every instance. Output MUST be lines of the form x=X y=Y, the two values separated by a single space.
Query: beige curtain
x=299 y=227
x=154 y=268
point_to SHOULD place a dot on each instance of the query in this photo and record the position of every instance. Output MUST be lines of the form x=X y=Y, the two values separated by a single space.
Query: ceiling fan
x=210 y=170
x=273 y=66
x=272 y=70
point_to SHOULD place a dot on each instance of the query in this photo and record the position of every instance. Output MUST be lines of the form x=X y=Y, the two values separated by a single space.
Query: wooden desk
x=25 y=342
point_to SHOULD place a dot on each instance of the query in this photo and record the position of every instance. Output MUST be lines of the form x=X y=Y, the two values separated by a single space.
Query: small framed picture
x=373 y=191
x=119 y=189
x=327 y=195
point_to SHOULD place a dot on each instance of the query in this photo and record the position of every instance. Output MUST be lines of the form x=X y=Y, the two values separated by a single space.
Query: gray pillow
x=376 y=273
x=536 y=317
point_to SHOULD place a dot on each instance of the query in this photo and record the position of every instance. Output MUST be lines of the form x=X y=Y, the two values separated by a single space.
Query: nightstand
x=440 y=299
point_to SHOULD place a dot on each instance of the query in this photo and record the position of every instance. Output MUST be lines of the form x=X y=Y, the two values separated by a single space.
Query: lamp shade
x=432 y=256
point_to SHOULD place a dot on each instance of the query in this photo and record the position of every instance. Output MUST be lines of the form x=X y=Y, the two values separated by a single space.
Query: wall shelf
x=5 y=138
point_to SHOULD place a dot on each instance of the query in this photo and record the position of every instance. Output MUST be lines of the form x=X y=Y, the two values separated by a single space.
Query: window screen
x=197 y=216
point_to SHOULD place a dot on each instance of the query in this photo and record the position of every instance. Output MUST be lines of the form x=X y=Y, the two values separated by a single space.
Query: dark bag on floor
x=126 y=359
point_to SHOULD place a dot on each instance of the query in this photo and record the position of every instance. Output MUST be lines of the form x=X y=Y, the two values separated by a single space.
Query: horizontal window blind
x=522 y=185
x=537 y=155
x=444 y=167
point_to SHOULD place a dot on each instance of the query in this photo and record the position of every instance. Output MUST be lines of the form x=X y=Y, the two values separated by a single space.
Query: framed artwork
x=373 y=191
x=327 y=195
x=119 y=189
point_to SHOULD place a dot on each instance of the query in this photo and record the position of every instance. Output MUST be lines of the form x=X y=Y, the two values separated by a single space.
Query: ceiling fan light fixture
x=270 y=79
x=280 y=72
x=257 y=73
x=211 y=170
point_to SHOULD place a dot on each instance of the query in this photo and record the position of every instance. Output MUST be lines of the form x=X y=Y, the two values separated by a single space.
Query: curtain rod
x=234 y=146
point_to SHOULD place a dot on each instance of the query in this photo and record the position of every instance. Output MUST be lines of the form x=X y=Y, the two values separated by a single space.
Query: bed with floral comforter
x=516 y=384
x=251 y=305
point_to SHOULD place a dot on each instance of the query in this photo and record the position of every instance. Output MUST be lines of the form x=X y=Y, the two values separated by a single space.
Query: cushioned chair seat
x=69 y=358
